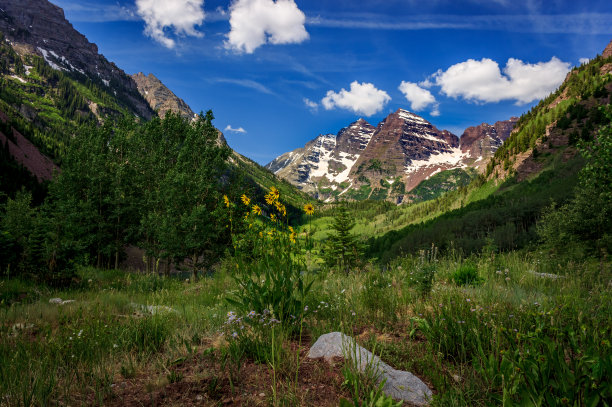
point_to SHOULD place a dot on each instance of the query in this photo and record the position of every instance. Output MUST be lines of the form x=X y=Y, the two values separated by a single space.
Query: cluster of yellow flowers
x=272 y=196
x=292 y=235
x=273 y=199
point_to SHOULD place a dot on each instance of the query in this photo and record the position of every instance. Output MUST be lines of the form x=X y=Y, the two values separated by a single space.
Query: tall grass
x=512 y=338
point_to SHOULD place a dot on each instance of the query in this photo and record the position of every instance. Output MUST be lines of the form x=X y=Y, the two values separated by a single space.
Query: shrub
x=467 y=274
x=423 y=275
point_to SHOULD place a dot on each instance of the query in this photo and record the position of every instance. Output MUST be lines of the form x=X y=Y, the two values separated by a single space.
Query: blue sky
x=277 y=73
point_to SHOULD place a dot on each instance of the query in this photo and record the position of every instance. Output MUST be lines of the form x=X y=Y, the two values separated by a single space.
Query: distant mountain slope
x=37 y=27
x=160 y=98
x=558 y=122
x=386 y=161
x=327 y=158
x=52 y=79
x=481 y=142
x=24 y=152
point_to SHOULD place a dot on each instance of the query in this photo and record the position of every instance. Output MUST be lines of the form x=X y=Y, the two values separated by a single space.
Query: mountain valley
x=143 y=261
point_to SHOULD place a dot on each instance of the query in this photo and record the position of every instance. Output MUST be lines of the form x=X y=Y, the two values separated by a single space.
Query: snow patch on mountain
x=411 y=117
x=452 y=159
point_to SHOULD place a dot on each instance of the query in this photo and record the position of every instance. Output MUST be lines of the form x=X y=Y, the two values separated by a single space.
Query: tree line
x=156 y=185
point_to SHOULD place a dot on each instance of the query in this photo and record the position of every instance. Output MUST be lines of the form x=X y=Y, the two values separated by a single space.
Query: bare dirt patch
x=204 y=381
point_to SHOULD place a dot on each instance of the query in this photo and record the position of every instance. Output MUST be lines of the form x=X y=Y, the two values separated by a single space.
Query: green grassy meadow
x=509 y=335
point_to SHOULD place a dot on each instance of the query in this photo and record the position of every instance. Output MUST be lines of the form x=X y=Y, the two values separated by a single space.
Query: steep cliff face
x=386 y=161
x=479 y=143
x=38 y=27
x=160 y=98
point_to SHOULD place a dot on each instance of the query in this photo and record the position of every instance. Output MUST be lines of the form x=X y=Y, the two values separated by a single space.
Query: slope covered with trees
x=153 y=184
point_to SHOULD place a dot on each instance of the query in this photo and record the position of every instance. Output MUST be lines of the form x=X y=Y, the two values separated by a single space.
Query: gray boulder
x=399 y=384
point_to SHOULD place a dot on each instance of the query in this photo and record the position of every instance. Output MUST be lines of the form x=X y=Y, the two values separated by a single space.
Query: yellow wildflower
x=273 y=217
x=275 y=193
x=226 y=201
x=269 y=198
x=256 y=210
x=281 y=208
x=309 y=209
x=292 y=235
x=245 y=200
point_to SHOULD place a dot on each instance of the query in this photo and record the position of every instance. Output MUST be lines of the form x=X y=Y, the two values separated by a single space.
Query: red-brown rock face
x=480 y=142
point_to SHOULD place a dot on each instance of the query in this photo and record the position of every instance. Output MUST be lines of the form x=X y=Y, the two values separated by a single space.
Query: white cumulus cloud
x=418 y=97
x=483 y=81
x=163 y=16
x=233 y=130
x=362 y=98
x=311 y=104
x=256 y=22
x=584 y=60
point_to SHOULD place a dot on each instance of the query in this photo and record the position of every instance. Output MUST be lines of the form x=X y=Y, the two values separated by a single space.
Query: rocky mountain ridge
x=558 y=123
x=160 y=98
x=483 y=140
x=38 y=27
x=386 y=161
x=329 y=156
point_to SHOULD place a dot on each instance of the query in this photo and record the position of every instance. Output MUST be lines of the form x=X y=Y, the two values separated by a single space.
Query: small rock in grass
x=545 y=275
x=59 y=301
x=399 y=384
x=154 y=309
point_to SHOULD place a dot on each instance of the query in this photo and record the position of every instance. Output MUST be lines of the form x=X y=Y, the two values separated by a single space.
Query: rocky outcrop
x=479 y=143
x=607 y=52
x=40 y=28
x=160 y=98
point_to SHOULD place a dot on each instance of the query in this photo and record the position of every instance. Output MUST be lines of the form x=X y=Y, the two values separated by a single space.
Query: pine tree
x=342 y=247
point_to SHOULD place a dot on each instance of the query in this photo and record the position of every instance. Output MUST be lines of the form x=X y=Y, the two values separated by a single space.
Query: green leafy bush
x=467 y=274
x=548 y=372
